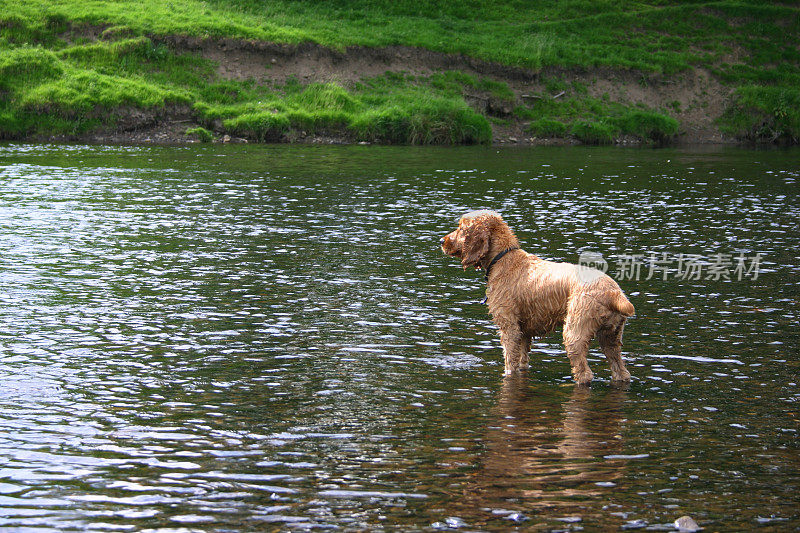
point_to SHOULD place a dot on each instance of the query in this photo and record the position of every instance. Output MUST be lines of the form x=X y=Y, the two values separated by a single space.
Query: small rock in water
x=686 y=523
x=669 y=526
x=772 y=518
x=226 y=138
x=454 y=522
x=634 y=524
x=451 y=522
x=516 y=517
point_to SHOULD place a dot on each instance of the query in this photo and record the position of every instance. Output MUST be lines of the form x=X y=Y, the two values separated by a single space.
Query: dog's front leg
x=515 y=349
x=525 y=362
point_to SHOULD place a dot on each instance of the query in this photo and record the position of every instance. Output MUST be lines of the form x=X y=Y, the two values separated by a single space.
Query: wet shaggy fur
x=529 y=297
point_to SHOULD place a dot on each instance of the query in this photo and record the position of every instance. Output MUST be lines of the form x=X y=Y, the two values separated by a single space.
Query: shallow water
x=262 y=338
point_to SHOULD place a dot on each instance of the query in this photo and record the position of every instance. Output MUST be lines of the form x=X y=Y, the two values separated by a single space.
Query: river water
x=237 y=338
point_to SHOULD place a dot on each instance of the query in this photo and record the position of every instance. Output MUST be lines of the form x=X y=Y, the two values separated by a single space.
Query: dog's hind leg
x=576 y=342
x=611 y=344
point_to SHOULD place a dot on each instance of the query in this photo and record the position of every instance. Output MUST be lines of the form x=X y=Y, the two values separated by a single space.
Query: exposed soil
x=695 y=98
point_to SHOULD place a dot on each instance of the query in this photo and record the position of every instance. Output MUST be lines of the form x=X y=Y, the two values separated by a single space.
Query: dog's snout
x=441 y=241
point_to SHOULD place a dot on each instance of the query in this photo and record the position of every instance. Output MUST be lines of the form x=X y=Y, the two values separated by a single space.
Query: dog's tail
x=621 y=304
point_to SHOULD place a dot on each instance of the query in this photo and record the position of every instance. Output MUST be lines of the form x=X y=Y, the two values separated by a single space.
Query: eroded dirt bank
x=695 y=98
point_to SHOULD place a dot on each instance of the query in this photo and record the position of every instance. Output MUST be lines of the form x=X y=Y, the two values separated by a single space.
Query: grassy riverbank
x=402 y=71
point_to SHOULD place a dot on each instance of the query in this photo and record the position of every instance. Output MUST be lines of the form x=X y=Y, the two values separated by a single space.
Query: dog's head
x=479 y=234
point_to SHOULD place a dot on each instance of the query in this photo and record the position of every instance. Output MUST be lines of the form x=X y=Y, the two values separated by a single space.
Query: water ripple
x=269 y=337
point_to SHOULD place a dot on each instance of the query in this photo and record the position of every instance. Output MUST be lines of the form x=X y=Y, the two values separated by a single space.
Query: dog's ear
x=476 y=243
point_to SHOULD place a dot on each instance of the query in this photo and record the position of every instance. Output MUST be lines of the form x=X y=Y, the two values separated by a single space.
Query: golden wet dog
x=529 y=297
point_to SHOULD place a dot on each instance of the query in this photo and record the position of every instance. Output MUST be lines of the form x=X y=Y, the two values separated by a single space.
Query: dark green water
x=269 y=338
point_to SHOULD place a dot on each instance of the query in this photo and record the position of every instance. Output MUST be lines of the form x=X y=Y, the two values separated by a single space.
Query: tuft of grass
x=24 y=67
x=436 y=121
x=764 y=114
x=594 y=132
x=325 y=97
x=139 y=57
x=321 y=121
x=44 y=92
x=547 y=127
x=83 y=91
x=594 y=121
x=402 y=116
x=647 y=125
x=262 y=126
x=203 y=134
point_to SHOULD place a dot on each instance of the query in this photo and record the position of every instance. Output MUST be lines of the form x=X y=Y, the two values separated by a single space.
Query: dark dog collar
x=497 y=258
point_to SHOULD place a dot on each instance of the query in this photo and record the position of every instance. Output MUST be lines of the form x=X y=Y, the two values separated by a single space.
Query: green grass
x=203 y=134
x=648 y=125
x=548 y=127
x=594 y=132
x=652 y=36
x=456 y=83
x=435 y=121
x=68 y=90
x=405 y=115
x=46 y=92
x=596 y=121
x=85 y=91
x=70 y=67
x=764 y=114
x=25 y=67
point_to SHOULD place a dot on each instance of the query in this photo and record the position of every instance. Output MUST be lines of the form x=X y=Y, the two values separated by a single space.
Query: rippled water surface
x=268 y=338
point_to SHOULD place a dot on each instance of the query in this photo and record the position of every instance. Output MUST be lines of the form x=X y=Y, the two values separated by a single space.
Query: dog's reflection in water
x=547 y=451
